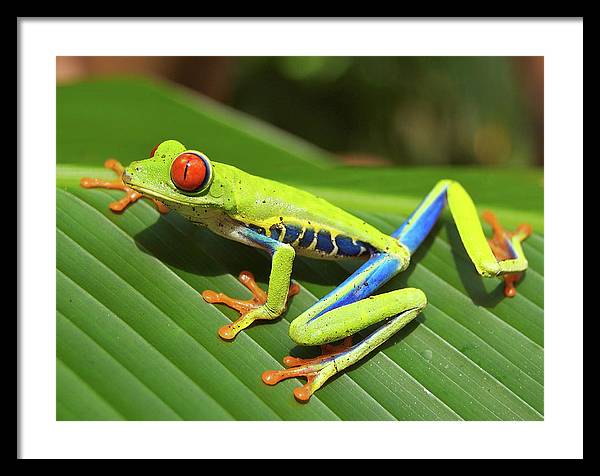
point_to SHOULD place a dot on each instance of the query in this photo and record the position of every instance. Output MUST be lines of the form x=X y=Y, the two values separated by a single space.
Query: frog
x=285 y=221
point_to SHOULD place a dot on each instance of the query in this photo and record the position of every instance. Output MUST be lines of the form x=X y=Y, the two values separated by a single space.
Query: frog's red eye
x=154 y=150
x=190 y=171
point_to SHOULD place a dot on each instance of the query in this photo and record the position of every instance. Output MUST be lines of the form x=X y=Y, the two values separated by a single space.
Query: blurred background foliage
x=369 y=110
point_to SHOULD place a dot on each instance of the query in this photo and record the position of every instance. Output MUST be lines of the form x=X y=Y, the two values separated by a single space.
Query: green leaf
x=136 y=341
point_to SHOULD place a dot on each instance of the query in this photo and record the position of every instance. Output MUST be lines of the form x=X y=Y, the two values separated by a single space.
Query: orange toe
x=303 y=394
x=226 y=332
x=131 y=196
x=243 y=306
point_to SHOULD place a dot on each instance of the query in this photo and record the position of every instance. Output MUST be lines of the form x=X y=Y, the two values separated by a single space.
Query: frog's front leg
x=131 y=196
x=264 y=305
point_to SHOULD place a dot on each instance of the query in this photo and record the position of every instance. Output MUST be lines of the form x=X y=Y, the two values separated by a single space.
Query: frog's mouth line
x=163 y=198
x=153 y=194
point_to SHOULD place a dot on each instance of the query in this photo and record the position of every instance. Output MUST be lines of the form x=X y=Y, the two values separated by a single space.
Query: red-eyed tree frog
x=286 y=221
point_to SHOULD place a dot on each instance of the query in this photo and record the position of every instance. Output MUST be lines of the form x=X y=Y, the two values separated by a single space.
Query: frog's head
x=182 y=179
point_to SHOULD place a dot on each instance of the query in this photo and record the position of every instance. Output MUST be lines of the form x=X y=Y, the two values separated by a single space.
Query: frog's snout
x=126 y=177
x=134 y=172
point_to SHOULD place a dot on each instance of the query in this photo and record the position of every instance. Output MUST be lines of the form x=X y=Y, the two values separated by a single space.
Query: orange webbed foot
x=131 y=196
x=316 y=370
x=303 y=394
x=500 y=245
x=259 y=298
x=327 y=351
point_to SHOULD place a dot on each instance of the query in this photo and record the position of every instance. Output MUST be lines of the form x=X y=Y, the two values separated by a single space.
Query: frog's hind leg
x=501 y=256
x=131 y=196
x=312 y=369
x=342 y=313
x=502 y=244
x=327 y=351
x=361 y=284
x=396 y=308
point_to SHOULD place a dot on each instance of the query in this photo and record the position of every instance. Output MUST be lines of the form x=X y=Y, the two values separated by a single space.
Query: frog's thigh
x=402 y=305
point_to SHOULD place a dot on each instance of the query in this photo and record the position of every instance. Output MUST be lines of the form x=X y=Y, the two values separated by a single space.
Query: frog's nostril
x=126 y=177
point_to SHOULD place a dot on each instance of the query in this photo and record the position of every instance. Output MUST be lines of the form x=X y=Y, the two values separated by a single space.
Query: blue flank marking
x=412 y=234
x=347 y=247
x=307 y=238
x=324 y=242
x=275 y=231
x=264 y=241
x=292 y=233
x=366 y=248
x=384 y=267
